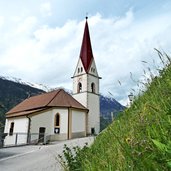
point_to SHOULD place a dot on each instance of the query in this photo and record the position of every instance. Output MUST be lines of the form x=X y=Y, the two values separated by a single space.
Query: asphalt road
x=38 y=157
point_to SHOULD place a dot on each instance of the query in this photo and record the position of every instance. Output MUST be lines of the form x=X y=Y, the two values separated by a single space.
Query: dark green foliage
x=71 y=157
x=104 y=123
x=2 y=120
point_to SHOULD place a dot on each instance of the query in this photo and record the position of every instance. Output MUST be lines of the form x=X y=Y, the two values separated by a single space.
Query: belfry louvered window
x=79 y=87
x=93 y=90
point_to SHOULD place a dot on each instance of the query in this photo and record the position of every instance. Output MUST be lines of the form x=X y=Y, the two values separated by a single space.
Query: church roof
x=86 y=53
x=57 y=98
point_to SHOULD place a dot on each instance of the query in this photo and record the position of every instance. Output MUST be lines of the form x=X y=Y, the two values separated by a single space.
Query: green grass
x=140 y=138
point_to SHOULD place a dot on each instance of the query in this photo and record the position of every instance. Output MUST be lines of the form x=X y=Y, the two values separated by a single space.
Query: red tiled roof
x=57 y=98
x=86 y=53
x=25 y=112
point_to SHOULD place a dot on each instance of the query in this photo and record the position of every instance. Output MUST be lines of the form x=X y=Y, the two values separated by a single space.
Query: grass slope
x=140 y=139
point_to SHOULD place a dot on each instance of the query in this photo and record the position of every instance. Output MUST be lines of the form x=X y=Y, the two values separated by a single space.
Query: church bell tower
x=86 y=83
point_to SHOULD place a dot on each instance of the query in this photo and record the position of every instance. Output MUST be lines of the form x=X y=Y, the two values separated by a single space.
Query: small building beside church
x=58 y=115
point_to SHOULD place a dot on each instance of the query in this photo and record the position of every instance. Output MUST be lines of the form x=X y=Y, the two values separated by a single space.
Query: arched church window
x=57 y=120
x=78 y=70
x=92 y=87
x=11 y=128
x=57 y=124
x=79 y=87
x=81 y=69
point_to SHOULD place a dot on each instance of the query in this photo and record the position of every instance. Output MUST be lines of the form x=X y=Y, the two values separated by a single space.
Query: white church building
x=57 y=115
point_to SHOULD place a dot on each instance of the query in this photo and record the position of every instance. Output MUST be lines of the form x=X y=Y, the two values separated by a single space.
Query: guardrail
x=17 y=139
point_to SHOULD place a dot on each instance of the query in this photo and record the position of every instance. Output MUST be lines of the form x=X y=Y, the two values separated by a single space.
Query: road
x=37 y=157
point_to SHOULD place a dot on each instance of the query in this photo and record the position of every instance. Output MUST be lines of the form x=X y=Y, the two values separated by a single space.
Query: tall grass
x=140 y=138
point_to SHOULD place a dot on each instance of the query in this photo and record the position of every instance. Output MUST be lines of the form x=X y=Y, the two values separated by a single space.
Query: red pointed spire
x=86 y=53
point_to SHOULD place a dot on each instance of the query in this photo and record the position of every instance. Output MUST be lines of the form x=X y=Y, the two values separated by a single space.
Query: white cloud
x=48 y=55
x=27 y=25
x=1 y=21
x=120 y=48
x=45 y=9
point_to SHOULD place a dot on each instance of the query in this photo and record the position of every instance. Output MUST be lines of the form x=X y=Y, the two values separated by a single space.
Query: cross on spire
x=86 y=15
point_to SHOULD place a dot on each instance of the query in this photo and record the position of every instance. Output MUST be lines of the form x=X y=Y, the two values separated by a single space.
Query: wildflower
x=128 y=140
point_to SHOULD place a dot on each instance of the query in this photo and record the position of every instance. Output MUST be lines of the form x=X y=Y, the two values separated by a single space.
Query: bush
x=72 y=157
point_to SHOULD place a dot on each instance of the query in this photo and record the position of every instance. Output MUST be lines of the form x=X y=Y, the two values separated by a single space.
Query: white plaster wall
x=83 y=80
x=93 y=65
x=94 y=112
x=87 y=98
x=43 y=119
x=79 y=65
x=95 y=80
x=46 y=119
x=6 y=130
x=20 y=127
x=79 y=77
x=92 y=102
x=81 y=98
x=20 y=124
x=78 y=121
x=63 y=119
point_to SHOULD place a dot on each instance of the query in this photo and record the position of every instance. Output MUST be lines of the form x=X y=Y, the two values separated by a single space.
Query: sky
x=40 y=40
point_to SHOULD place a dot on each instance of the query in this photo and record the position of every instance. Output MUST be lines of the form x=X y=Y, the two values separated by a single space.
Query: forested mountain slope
x=12 y=93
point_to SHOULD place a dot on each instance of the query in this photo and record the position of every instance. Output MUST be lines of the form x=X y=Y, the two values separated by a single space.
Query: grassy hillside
x=140 y=139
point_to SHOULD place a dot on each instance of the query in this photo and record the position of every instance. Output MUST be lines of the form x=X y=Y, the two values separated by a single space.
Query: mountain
x=13 y=91
x=109 y=109
x=108 y=105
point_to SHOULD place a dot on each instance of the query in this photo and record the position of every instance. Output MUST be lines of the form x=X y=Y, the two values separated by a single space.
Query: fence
x=2 y=136
x=23 y=138
x=1 y=141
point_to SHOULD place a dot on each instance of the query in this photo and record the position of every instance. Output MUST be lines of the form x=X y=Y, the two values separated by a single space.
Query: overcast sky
x=40 y=40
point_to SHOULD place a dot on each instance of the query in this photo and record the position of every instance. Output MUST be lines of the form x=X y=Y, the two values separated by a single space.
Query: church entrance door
x=41 y=134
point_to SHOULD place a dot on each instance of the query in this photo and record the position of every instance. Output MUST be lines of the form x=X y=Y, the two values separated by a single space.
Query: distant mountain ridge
x=34 y=85
x=14 y=91
x=108 y=105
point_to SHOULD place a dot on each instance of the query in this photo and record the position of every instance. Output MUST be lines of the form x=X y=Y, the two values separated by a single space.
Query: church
x=58 y=115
